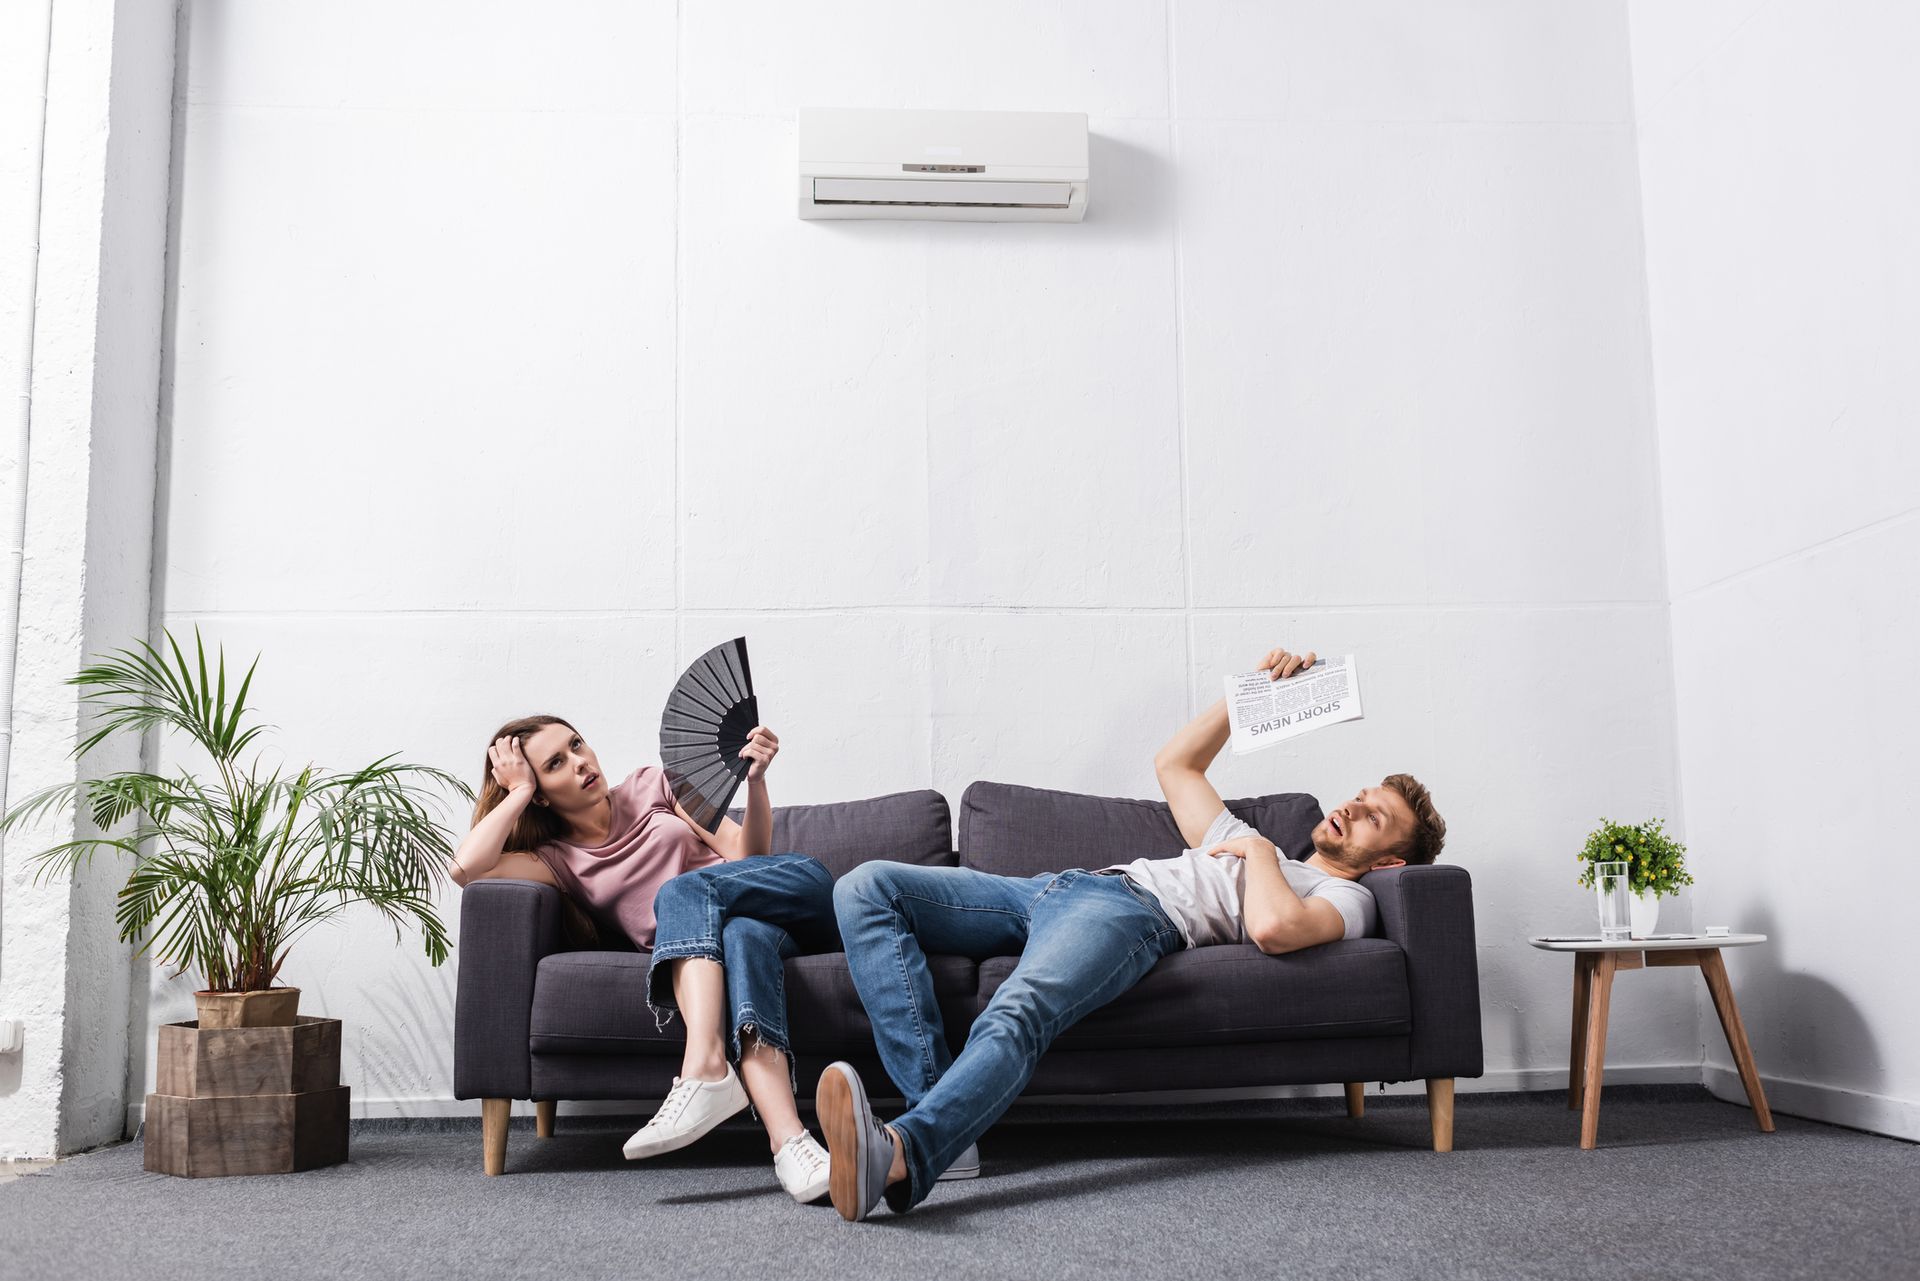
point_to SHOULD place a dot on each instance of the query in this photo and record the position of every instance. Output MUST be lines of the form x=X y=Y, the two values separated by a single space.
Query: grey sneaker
x=965 y=1166
x=861 y=1151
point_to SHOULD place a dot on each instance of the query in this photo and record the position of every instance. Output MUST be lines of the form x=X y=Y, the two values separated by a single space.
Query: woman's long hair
x=535 y=827
x=537 y=824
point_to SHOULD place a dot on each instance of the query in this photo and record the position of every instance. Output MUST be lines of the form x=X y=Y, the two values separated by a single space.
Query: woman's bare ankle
x=704 y=1068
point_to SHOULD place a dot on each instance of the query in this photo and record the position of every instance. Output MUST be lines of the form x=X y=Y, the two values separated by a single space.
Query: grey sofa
x=536 y=1021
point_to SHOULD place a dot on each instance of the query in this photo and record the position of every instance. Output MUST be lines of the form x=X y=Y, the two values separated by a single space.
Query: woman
x=720 y=913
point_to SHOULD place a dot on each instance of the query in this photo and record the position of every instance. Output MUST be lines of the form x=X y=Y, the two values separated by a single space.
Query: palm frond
x=240 y=864
x=68 y=856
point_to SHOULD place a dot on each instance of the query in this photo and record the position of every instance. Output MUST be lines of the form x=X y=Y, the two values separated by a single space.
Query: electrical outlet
x=11 y=1035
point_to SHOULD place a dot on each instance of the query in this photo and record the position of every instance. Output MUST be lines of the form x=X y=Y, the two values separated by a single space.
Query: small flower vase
x=1643 y=914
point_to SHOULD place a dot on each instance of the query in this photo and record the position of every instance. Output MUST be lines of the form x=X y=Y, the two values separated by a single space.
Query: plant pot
x=1643 y=914
x=268 y=1007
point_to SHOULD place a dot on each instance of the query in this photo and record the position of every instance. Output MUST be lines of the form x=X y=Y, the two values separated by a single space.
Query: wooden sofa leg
x=1440 y=1110
x=493 y=1132
x=1356 y=1098
x=543 y=1117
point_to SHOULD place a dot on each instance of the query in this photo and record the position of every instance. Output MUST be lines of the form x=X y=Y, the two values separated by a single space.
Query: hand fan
x=708 y=717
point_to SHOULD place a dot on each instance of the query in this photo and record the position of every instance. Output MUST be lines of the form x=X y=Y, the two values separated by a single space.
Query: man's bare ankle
x=898 y=1170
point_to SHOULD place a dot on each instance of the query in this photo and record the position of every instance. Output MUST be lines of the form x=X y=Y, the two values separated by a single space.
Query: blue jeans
x=750 y=915
x=1083 y=939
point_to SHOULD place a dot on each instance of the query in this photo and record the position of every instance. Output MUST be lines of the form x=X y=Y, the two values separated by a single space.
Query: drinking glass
x=1610 y=883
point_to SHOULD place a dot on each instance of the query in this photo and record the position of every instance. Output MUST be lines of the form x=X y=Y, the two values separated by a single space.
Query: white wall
x=504 y=379
x=84 y=239
x=1780 y=162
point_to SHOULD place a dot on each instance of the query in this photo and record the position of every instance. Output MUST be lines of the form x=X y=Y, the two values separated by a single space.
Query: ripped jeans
x=750 y=915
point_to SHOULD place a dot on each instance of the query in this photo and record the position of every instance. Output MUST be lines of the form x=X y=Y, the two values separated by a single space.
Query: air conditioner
x=968 y=166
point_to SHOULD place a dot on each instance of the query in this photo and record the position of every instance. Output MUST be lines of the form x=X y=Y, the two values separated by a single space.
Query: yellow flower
x=1619 y=849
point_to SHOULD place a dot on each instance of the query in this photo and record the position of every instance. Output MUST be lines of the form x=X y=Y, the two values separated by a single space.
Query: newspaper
x=1264 y=711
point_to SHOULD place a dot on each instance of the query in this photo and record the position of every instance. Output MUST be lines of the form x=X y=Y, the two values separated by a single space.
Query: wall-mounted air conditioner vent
x=973 y=166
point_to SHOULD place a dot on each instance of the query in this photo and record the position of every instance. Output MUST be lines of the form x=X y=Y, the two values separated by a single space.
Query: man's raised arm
x=1181 y=766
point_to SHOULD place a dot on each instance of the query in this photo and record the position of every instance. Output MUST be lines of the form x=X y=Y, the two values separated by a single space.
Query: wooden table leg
x=1596 y=1047
x=1715 y=971
x=1356 y=1098
x=1576 y=1059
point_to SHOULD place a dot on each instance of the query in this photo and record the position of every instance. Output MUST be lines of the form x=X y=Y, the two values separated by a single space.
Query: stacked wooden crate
x=247 y=1100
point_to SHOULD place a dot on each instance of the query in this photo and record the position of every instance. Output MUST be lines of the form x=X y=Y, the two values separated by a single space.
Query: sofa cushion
x=906 y=827
x=596 y=1003
x=1235 y=994
x=1023 y=831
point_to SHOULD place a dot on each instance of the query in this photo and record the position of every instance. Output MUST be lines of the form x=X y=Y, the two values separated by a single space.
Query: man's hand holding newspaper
x=1263 y=711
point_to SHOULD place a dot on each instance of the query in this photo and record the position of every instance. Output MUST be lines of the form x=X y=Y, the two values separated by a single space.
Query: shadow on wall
x=405 y=1038
x=1801 y=1027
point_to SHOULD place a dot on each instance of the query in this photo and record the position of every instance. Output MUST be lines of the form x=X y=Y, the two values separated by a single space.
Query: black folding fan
x=709 y=715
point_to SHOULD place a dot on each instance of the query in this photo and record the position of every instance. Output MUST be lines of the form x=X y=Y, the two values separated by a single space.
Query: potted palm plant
x=233 y=863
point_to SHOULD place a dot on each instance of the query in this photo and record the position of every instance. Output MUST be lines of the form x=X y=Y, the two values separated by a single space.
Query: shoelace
x=807 y=1153
x=676 y=1102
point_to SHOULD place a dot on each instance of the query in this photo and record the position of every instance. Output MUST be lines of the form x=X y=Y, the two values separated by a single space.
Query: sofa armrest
x=1428 y=911
x=506 y=927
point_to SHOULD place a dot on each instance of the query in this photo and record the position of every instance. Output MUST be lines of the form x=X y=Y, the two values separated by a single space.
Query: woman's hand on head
x=762 y=746
x=510 y=768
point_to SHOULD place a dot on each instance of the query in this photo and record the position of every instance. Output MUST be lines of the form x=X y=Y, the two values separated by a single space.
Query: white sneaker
x=802 y=1166
x=691 y=1109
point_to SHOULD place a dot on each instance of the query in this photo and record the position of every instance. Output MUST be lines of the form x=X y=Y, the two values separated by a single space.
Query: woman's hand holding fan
x=762 y=746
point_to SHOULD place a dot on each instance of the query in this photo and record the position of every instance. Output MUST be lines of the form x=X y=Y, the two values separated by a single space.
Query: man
x=1083 y=938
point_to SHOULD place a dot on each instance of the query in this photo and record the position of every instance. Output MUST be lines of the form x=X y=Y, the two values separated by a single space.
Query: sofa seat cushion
x=596 y=1003
x=1235 y=994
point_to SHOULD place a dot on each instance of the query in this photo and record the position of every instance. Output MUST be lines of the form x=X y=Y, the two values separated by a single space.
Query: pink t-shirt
x=647 y=846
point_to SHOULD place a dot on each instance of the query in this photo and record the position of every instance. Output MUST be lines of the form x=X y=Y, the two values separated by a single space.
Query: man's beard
x=1337 y=855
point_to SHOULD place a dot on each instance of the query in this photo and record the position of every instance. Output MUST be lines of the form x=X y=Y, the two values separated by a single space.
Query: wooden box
x=246 y=1133
x=202 y=1063
x=247 y=1100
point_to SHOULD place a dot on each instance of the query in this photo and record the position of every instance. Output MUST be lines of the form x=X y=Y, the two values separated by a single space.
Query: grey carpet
x=1683 y=1187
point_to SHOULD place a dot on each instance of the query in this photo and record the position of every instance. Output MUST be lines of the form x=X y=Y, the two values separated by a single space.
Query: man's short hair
x=1429 y=829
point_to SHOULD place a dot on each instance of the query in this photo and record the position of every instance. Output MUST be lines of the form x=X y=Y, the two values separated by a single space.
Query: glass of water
x=1610 y=883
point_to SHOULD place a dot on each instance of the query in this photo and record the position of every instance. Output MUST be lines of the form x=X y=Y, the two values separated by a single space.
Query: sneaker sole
x=955 y=1173
x=641 y=1151
x=841 y=1110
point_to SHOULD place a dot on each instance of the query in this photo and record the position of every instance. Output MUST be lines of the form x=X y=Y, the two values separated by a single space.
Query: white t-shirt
x=1203 y=894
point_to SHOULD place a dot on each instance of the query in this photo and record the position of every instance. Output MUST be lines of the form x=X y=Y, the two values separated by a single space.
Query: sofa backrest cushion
x=1023 y=831
x=906 y=827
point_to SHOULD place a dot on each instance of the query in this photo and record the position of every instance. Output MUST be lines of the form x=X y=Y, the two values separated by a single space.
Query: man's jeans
x=750 y=915
x=1083 y=939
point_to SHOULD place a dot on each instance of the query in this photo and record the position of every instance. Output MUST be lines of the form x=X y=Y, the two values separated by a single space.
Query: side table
x=1594 y=965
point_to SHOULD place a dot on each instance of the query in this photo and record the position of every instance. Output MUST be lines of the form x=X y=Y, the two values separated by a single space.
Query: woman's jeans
x=750 y=915
x=1083 y=938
